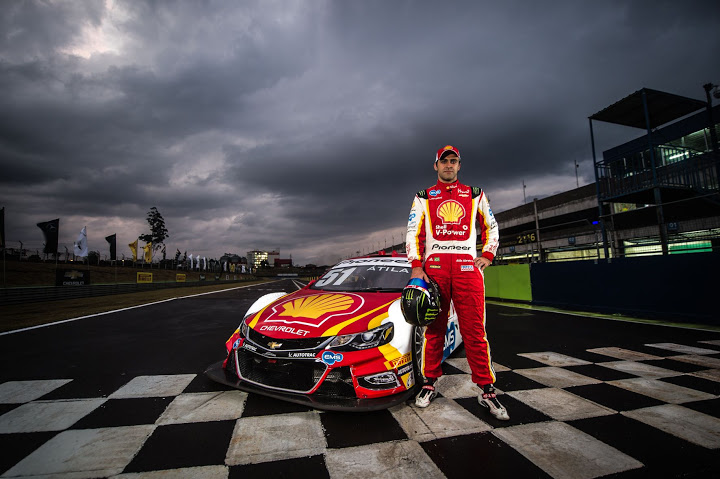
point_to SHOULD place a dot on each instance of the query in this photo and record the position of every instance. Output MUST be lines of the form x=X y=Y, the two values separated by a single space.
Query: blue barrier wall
x=684 y=287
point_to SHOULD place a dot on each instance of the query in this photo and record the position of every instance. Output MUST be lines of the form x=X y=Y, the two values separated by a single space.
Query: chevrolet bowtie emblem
x=274 y=345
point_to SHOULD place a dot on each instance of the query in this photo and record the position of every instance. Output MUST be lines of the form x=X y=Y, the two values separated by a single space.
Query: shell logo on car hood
x=308 y=313
x=312 y=307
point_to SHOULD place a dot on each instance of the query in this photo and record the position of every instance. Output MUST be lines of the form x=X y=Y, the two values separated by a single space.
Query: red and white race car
x=340 y=343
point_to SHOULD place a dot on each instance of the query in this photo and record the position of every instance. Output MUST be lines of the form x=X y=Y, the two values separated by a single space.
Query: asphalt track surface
x=124 y=394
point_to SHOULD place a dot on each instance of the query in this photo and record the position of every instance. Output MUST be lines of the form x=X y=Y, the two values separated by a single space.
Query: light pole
x=577 y=181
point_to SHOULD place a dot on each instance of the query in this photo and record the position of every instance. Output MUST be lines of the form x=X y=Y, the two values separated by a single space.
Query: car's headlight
x=366 y=340
x=243 y=329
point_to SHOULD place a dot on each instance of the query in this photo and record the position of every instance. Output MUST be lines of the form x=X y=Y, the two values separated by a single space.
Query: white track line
x=122 y=309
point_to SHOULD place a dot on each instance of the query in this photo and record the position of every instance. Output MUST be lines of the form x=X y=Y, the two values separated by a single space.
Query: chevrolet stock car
x=339 y=343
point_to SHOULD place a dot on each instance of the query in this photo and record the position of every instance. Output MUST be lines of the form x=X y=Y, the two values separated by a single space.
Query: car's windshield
x=365 y=275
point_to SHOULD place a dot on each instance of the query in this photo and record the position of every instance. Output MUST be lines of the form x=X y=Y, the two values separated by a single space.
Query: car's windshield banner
x=402 y=262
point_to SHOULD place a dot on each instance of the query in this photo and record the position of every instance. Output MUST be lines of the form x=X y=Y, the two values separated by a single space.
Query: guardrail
x=34 y=294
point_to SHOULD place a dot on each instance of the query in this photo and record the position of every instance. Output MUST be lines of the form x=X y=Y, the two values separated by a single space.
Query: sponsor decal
x=451 y=212
x=445 y=232
x=314 y=310
x=467 y=267
x=236 y=344
x=284 y=329
x=315 y=306
x=411 y=217
x=330 y=358
x=249 y=346
x=390 y=269
x=372 y=260
x=301 y=355
x=434 y=266
x=410 y=380
x=449 y=340
x=450 y=247
x=434 y=192
x=405 y=369
x=402 y=360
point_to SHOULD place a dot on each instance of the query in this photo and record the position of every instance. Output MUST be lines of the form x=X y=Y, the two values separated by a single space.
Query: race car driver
x=442 y=245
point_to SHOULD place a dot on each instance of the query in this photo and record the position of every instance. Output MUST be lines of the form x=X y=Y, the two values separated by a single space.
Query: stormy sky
x=307 y=126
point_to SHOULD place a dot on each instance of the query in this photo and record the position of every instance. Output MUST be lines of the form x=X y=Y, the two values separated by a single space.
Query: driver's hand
x=418 y=272
x=482 y=262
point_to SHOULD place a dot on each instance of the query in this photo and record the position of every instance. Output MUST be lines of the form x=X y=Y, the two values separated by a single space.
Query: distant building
x=657 y=194
x=257 y=259
x=282 y=263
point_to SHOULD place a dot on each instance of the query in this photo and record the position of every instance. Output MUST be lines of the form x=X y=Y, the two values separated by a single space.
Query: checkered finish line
x=650 y=410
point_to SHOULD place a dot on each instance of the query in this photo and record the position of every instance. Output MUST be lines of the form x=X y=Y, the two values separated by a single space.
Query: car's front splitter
x=221 y=375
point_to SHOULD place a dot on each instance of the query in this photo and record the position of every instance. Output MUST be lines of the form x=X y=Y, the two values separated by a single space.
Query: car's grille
x=293 y=375
x=287 y=374
x=286 y=344
x=338 y=384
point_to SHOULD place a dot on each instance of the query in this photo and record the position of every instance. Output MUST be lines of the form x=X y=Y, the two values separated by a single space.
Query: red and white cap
x=446 y=150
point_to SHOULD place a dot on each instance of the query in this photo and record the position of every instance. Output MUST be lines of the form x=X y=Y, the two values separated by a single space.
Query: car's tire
x=417 y=346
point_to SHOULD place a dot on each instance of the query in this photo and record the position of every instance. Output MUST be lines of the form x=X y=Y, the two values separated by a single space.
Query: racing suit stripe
x=416 y=231
x=489 y=235
x=423 y=356
x=489 y=354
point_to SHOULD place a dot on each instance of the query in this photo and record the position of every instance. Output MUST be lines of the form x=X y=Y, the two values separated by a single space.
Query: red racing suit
x=443 y=238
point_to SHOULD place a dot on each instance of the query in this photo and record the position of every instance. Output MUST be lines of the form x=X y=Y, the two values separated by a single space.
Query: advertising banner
x=144 y=277
x=72 y=277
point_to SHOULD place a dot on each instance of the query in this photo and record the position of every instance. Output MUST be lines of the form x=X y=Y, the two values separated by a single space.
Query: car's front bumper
x=217 y=373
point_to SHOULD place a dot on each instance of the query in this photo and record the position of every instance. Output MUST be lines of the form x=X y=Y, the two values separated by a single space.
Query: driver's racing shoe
x=488 y=400
x=427 y=394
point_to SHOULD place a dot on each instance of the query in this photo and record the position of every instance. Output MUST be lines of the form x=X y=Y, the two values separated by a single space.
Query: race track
x=124 y=394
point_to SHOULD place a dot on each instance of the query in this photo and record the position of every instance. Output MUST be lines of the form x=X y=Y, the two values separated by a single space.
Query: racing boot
x=488 y=400
x=427 y=393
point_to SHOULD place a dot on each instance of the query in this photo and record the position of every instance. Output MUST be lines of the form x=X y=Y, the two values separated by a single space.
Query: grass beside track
x=26 y=315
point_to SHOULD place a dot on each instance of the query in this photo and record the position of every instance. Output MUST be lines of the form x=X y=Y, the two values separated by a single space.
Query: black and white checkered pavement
x=652 y=410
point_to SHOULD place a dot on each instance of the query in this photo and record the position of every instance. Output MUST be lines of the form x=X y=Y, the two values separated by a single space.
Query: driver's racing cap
x=446 y=150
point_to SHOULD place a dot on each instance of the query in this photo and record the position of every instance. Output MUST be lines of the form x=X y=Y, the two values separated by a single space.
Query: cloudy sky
x=307 y=126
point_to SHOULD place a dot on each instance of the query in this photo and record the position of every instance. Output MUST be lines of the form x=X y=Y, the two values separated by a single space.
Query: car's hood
x=311 y=313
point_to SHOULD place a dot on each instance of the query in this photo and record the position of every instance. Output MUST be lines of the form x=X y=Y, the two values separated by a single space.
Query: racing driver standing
x=442 y=245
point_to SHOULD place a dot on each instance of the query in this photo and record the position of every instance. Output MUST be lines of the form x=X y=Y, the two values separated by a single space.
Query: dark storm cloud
x=308 y=126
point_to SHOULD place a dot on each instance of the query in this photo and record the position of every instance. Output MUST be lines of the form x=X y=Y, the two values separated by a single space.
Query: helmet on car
x=420 y=302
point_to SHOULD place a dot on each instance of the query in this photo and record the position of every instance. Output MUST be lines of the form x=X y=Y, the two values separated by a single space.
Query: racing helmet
x=420 y=302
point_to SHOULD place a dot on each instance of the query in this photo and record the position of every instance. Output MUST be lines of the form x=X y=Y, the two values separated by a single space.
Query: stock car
x=339 y=343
